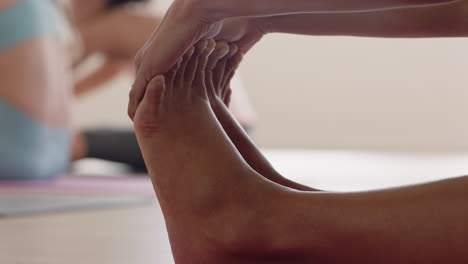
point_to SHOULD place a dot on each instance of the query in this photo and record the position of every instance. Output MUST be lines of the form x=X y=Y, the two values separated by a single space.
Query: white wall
x=335 y=92
x=360 y=93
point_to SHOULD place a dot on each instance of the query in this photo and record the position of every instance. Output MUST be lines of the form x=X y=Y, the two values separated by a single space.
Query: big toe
x=147 y=118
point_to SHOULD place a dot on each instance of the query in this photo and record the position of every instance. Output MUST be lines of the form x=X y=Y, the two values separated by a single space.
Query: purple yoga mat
x=70 y=184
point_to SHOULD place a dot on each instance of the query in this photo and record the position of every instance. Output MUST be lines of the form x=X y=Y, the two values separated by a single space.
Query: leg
x=416 y=224
x=101 y=144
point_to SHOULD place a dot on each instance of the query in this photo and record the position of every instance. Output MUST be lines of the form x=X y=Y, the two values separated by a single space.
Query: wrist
x=204 y=10
x=265 y=24
x=261 y=24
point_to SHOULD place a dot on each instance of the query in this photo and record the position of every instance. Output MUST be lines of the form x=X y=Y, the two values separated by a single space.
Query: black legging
x=119 y=145
x=118 y=3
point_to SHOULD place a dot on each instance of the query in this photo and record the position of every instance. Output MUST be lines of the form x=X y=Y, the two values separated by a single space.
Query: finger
x=232 y=66
x=205 y=54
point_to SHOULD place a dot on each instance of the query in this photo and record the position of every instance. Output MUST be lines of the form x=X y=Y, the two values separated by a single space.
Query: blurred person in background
x=41 y=43
x=118 y=30
x=35 y=90
x=227 y=204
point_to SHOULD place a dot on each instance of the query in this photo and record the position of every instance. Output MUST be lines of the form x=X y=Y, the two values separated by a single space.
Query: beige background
x=340 y=93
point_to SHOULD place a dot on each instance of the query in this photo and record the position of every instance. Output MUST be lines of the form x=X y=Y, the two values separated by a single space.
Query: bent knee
x=28 y=168
x=33 y=162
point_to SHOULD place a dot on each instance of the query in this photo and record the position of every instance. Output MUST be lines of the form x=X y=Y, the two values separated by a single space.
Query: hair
x=117 y=3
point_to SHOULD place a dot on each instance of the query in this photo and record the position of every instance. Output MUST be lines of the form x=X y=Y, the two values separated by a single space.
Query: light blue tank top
x=28 y=19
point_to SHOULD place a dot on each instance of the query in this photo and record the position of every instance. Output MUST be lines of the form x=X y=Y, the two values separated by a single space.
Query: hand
x=243 y=32
x=180 y=30
x=182 y=27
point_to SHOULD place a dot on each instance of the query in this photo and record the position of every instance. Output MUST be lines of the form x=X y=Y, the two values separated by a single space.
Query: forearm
x=430 y=21
x=416 y=224
x=105 y=73
x=118 y=34
x=235 y=8
x=251 y=154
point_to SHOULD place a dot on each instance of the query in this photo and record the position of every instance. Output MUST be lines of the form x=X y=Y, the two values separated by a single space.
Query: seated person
x=36 y=139
x=35 y=90
x=119 y=48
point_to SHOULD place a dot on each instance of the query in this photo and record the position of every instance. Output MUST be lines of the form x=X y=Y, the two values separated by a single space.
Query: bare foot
x=217 y=209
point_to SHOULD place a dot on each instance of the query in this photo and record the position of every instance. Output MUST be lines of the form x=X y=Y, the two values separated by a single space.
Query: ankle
x=249 y=227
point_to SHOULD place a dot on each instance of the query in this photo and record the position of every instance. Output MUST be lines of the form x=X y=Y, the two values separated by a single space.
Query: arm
x=430 y=21
x=235 y=8
x=188 y=21
x=119 y=33
x=105 y=73
x=415 y=224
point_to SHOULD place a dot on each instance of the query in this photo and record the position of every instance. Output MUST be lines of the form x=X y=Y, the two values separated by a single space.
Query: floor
x=137 y=234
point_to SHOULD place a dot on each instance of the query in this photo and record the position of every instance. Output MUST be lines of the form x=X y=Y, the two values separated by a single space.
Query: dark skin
x=228 y=213
x=426 y=21
x=188 y=21
x=429 y=21
x=264 y=223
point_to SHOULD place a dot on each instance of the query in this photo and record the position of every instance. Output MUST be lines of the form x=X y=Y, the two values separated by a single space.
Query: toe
x=221 y=50
x=146 y=118
x=136 y=94
x=232 y=65
x=202 y=63
x=227 y=97
x=211 y=75
x=171 y=76
x=191 y=68
x=205 y=54
x=179 y=77
x=219 y=71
